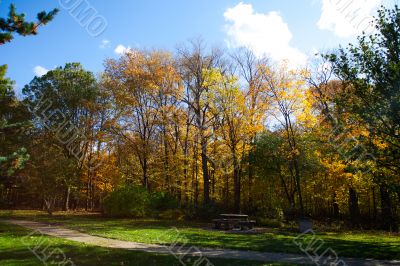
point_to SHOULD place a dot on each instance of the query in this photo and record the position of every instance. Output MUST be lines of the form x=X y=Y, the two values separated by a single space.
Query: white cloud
x=121 y=49
x=105 y=44
x=40 y=71
x=266 y=34
x=347 y=18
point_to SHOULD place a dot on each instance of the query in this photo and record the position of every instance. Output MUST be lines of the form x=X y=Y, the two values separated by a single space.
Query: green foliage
x=272 y=223
x=162 y=201
x=69 y=89
x=172 y=215
x=68 y=94
x=370 y=71
x=205 y=212
x=133 y=201
x=13 y=121
x=127 y=201
x=16 y=161
x=15 y=23
x=5 y=83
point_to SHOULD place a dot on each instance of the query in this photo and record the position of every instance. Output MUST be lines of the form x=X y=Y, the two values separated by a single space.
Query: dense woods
x=203 y=130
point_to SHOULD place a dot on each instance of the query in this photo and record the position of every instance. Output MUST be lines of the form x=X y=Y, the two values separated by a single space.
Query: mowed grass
x=376 y=245
x=18 y=247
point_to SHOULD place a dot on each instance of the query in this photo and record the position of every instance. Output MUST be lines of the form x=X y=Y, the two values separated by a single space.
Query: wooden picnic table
x=230 y=221
x=233 y=216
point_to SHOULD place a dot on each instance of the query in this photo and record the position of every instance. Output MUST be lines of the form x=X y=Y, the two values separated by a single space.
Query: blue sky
x=292 y=28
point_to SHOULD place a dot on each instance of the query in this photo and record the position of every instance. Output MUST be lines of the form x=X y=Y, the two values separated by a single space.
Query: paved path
x=185 y=252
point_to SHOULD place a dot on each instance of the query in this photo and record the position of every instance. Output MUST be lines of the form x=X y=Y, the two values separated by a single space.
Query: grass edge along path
x=20 y=246
x=77 y=236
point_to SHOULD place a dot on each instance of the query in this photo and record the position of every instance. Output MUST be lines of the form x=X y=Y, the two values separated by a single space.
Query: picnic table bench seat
x=230 y=221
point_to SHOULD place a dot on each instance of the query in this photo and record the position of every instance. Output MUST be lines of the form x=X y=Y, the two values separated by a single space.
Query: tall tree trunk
x=285 y=188
x=204 y=165
x=166 y=162
x=186 y=179
x=145 y=177
x=195 y=182
x=92 y=198
x=398 y=194
x=298 y=186
x=89 y=176
x=226 y=191
x=335 y=206
x=67 y=195
x=353 y=207
x=236 y=181
x=375 y=211
x=250 y=177
x=388 y=221
x=186 y=160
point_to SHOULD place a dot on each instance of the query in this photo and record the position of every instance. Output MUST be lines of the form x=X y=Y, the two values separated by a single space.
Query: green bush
x=161 y=201
x=127 y=201
x=268 y=222
x=205 y=212
x=177 y=215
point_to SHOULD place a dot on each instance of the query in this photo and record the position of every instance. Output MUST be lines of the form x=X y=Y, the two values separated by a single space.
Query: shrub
x=177 y=215
x=206 y=212
x=127 y=201
x=161 y=201
x=273 y=223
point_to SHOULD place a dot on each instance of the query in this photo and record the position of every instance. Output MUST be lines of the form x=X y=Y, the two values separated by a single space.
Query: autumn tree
x=370 y=70
x=248 y=67
x=336 y=133
x=146 y=89
x=192 y=64
x=286 y=89
x=230 y=112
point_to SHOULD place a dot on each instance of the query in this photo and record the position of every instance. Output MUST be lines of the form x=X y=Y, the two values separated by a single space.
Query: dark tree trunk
x=298 y=186
x=335 y=206
x=204 y=165
x=285 y=188
x=88 y=185
x=236 y=181
x=145 y=177
x=250 y=196
x=186 y=181
x=388 y=220
x=374 y=212
x=353 y=207
x=166 y=162
x=226 y=192
x=186 y=161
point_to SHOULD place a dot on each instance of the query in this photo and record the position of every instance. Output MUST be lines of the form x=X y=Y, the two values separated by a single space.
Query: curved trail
x=74 y=235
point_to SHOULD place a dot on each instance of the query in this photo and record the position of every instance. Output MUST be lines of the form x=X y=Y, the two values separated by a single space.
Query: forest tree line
x=215 y=130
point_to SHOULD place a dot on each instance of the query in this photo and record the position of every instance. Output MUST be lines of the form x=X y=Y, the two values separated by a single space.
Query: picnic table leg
x=217 y=225
x=227 y=226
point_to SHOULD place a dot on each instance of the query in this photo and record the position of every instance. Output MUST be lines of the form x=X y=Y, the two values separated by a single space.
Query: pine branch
x=15 y=23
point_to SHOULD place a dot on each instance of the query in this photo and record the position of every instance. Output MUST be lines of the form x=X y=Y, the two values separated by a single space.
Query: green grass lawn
x=18 y=247
x=377 y=245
